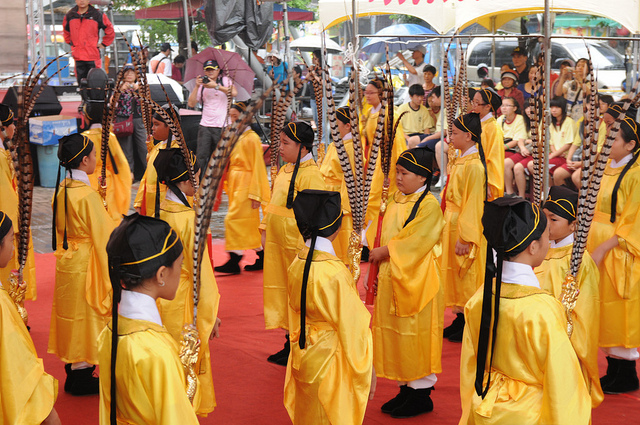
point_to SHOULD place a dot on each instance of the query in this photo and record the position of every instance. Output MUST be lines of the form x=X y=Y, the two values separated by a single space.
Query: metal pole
x=443 y=173
x=493 y=47
x=547 y=82
x=287 y=52
x=43 y=34
x=187 y=30
x=355 y=52
x=116 y=62
x=55 y=42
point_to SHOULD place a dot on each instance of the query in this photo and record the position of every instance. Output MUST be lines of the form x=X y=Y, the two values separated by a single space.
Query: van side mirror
x=483 y=71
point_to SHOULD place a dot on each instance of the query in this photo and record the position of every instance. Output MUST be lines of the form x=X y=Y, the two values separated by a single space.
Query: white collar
x=139 y=306
x=563 y=242
x=79 y=175
x=306 y=157
x=420 y=189
x=322 y=244
x=622 y=162
x=173 y=197
x=519 y=273
x=472 y=149
x=96 y=125
x=486 y=117
x=376 y=109
x=348 y=136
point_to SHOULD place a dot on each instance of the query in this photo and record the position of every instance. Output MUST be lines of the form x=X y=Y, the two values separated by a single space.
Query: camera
x=205 y=80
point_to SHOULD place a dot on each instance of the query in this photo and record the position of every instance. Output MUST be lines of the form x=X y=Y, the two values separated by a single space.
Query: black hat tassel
x=303 y=292
x=292 y=185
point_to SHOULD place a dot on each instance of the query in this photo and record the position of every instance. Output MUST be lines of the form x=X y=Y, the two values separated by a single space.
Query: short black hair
x=179 y=59
x=430 y=68
x=194 y=46
x=489 y=82
x=165 y=46
x=435 y=92
x=297 y=69
x=606 y=98
x=416 y=89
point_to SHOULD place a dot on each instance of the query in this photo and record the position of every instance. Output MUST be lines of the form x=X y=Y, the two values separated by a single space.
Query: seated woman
x=530 y=88
x=562 y=131
x=518 y=149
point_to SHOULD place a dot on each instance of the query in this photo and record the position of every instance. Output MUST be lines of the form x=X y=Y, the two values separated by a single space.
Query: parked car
x=608 y=64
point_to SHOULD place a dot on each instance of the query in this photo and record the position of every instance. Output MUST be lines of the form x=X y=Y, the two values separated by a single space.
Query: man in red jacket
x=82 y=25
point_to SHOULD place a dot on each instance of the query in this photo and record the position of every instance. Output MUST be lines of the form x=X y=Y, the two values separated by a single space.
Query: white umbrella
x=310 y=43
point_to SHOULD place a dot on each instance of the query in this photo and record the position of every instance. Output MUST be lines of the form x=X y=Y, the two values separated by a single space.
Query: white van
x=608 y=64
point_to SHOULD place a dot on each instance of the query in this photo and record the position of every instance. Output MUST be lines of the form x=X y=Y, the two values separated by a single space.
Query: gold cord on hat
x=166 y=247
x=536 y=213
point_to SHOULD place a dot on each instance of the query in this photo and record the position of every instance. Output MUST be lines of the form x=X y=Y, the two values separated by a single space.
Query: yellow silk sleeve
x=472 y=205
x=493 y=145
x=415 y=274
x=259 y=189
x=27 y=393
x=99 y=225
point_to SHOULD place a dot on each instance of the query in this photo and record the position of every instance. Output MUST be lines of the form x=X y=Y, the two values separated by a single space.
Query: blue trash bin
x=48 y=165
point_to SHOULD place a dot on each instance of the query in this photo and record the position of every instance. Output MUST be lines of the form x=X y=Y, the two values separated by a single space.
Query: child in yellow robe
x=81 y=299
x=368 y=123
x=142 y=380
x=27 y=392
x=280 y=234
x=145 y=199
x=247 y=186
x=409 y=307
x=329 y=370
x=463 y=246
x=517 y=364
x=560 y=208
x=486 y=102
x=334 y=179
x=176 y=210
x=9 y=204
x=614 y=243
x=119 y=177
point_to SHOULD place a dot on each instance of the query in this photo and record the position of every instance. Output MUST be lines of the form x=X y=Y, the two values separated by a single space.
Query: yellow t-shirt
x=514 y=130
x=415 y=121
x=563 y=135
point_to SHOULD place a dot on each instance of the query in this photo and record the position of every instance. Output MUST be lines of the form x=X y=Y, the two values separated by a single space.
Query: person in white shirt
x=416 y=70
x=161 y=63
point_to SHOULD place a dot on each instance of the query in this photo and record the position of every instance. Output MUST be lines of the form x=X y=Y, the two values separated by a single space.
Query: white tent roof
x=444 y=16
x=440 y=15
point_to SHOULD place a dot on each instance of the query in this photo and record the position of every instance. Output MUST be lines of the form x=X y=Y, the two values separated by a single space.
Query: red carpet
x=248 y=388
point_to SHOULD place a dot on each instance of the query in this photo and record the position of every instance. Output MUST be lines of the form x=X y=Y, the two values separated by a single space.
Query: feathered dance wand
x=108 y=114
x=316 y=72
x=449 y=108
x=23 y=167
x=538 y=132
x=190 y=345
x=591 y=177
x=279 y=116
x=386 y=136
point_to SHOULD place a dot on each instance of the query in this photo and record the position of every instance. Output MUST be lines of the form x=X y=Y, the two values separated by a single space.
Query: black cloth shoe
x=456 y=337
x=232 y=266
x=612 y=370
x=456 y=326
x=364 y=257
x=625 y=380
x=397 y=401
x=258 y=265
x=281 y=357
x=417 y=403
x=69 y=381
x=84 y=383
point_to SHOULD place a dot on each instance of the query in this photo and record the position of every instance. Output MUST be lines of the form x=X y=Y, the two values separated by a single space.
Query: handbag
x=123 y=128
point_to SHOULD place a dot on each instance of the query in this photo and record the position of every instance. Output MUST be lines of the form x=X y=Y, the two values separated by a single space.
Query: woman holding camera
x=211 y=92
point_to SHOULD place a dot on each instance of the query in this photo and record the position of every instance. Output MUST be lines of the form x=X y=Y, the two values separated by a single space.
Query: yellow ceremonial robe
x=146 y=196
x=82 y=295
x=334 y=179
x=9 y=205
x=536 y=377
x=492 y=141
x=586 y=315
x=409 y=310
x=246 y=181
x=328 y=381
x=179 y=311
x=463 y=274
x=368 y=130
x=118 y=185
x=150 y=381
x=620 y=268
x=283 y=240
x=27 y=392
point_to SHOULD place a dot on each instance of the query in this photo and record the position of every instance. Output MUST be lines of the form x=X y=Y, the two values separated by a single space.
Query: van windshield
x=602 y=56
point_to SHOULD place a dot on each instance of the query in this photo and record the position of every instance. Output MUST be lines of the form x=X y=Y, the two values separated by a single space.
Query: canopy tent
x=492 y=14
x=406 y=36
x=443 y=16
x=437 y=13
x=173 y=11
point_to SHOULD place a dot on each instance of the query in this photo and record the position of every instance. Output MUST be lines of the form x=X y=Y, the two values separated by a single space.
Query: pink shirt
x=214 y=105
